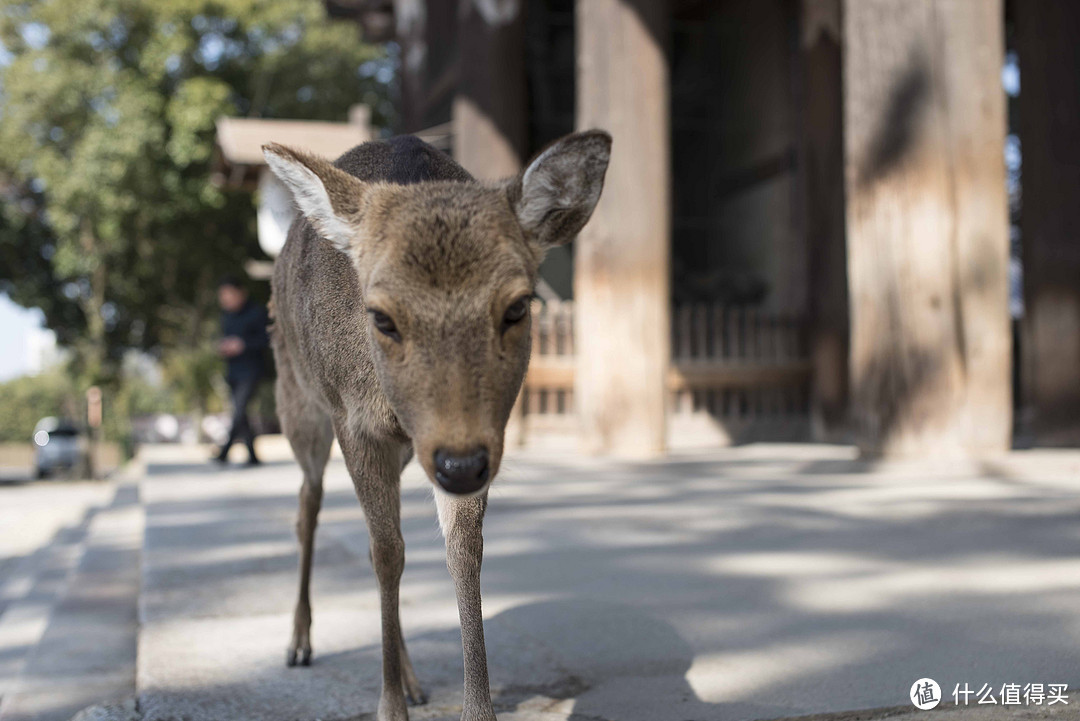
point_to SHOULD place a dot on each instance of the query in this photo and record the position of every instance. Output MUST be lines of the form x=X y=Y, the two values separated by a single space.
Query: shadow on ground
x=735 y=586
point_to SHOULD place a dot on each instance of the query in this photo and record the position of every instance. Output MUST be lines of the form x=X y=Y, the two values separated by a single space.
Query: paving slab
x=43 y=532
x=85 y=652
x=759 y=582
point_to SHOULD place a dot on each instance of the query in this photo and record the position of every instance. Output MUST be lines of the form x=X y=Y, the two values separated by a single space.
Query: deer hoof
x=298 y=653
x=295 y=656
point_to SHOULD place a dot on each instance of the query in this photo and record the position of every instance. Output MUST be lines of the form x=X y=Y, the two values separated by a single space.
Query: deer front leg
x=461 y=519
x=375 y=468
x=414 y=694
x=388 y=558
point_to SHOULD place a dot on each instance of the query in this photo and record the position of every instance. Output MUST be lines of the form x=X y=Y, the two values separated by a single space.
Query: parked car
x=59 y=444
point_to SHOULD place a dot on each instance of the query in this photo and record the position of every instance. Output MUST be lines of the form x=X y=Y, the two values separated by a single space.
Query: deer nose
x=465 y=473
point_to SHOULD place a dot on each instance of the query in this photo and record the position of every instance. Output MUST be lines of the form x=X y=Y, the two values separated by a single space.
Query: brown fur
x=399 y=228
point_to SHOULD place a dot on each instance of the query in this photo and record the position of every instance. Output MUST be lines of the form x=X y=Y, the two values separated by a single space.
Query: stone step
x=79 y=622
x=32 y=588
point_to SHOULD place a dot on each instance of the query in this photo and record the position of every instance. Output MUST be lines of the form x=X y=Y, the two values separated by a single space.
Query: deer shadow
x=585 y=658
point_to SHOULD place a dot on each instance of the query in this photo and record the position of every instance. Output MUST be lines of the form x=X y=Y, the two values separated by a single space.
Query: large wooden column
x=1048 y=45
x=924 y=124
x=489 y=112
x=822 y=200
x=621 y=291
x=410 y=22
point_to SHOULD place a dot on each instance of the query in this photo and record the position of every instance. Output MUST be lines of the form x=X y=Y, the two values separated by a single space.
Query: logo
x=925 y=694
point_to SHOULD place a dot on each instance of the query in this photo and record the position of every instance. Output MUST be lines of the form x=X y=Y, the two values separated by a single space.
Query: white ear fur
x=311 y=197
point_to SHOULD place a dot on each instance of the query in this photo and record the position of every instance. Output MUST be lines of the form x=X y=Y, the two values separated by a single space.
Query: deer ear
x=328 y=197
x=556 y=194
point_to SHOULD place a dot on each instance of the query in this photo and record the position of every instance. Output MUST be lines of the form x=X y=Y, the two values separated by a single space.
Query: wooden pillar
x=924 y=126
x=822 y=201
x=1048 y=46
x=489 y=112
x=410 y=21
x=621 y=283
x=489 y=115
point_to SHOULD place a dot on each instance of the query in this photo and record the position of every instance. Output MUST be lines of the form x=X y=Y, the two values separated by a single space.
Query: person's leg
x=223 y=454
x=242 y=399
x=241 y=391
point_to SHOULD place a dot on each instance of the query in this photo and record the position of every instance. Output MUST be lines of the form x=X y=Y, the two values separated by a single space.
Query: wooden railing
x=737 y=366
x=549 y=386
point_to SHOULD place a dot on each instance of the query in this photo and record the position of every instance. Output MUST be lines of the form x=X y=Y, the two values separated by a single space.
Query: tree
x=111 y=220
x=28 y=399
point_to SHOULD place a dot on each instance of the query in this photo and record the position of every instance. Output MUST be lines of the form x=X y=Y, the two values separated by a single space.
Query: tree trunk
x=92 y=305
x=621 y=284
x=924 y=123
x=1048 y=45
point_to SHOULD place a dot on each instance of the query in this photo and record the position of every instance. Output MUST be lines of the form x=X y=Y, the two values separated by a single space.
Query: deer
x=401 y=327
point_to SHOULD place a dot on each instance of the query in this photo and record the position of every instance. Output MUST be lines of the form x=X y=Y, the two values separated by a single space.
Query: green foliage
x=190 y=374
x=132 y=395
x=28 y=399
x=110 y=220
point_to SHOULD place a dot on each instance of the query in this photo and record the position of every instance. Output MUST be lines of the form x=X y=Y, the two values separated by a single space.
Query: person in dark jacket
x=243 y=345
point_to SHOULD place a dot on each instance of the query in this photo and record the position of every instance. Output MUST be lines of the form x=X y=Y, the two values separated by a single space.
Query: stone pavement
x=68 y=592
x=751 y=583
x=759 y=582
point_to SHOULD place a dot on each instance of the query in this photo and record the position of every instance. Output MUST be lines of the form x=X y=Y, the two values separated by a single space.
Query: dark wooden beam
x=1048 y=47
x=490 y=107
x=821 y=182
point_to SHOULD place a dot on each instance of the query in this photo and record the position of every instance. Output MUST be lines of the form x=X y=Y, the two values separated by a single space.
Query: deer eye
x=385 y=325
x=516 y=312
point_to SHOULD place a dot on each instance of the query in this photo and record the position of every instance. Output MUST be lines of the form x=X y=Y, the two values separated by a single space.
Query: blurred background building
x=805 y=231
x=836 y=220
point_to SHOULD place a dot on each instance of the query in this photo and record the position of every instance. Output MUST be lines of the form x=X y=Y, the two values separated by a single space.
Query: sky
x=20 y=331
